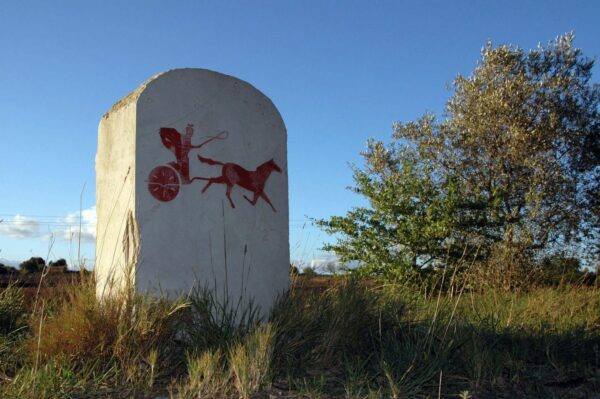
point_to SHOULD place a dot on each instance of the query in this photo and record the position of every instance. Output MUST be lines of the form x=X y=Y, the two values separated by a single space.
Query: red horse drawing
x=233 y=174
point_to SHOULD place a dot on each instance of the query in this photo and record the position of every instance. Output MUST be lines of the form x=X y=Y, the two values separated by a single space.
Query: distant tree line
x=33 y=265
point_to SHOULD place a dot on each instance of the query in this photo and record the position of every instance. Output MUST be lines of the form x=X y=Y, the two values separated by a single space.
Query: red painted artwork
x=163 y=181
x=233 y=174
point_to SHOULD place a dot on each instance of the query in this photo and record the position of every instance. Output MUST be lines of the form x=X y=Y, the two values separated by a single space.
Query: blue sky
x=339 y=73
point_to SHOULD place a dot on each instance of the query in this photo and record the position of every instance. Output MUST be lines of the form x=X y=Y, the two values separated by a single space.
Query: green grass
x=349 y=341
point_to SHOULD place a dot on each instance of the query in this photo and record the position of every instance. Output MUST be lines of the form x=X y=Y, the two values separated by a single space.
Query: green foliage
x=309 y=272
x=32 y=265
x=409 y=221
x=4 y=269
x=513 y=162
x=516 y=129
x=59 y=263
x=560 y=269
x=294 y=270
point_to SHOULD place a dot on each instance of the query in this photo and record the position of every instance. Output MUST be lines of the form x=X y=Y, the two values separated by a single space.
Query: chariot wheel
x=163 y=183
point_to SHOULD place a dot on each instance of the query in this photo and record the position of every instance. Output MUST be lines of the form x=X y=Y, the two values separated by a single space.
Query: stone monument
x=191 y=188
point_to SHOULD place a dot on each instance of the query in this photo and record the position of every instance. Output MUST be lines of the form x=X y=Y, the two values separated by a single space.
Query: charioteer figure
x=164 y=181
x=181 y=145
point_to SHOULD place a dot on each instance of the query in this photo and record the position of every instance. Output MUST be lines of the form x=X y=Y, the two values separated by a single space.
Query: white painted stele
x=191 y=188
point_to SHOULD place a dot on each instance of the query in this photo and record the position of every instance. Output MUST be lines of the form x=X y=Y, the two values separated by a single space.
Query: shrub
x=32 y=265
x=560 y=269
x=510 y=267
x=309 y=272
x=4 y=269
x=58 y=263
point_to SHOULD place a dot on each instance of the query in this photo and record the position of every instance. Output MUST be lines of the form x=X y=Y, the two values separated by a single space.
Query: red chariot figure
x=164 y=181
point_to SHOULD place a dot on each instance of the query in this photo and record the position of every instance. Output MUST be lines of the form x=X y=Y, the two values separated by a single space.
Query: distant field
x=52 y=281
x=33 y=279
x=30 y=283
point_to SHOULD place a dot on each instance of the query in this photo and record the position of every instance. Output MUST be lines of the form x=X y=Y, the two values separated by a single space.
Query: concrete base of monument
x=192 y=191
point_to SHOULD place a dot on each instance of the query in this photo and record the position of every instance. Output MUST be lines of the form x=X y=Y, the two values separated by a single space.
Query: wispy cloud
x=66 y=228
x=88 y=226
x=20 y=227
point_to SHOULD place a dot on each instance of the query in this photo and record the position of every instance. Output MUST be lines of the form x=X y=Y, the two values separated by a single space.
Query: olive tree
x=514 y=162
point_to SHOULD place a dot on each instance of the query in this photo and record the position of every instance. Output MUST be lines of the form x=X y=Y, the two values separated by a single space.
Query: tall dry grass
x=351 y=340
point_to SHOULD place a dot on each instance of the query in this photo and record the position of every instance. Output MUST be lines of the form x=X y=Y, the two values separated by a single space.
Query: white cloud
x=330 y=263
x=20 y=227
x=327 y=263
x=65 y=228
x=72 y=229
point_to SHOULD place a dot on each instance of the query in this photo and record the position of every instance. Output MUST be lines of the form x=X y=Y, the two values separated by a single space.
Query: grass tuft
x=250 y=361
x=207 y=377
